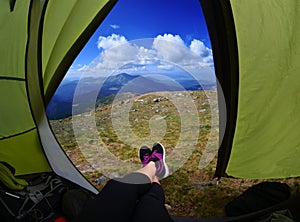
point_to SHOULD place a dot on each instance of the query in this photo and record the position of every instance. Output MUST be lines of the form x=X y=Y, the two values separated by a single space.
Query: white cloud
x=165 y=66
x=170 y=47
x=114 y=26
x=171 y=38
x=146 y=54
x=199 y=48
x=82 y=68
x=119 y=55
x=110 y=41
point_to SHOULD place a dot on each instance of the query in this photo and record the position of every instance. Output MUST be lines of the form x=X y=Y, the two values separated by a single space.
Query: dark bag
x=39 y=201
x=278 y=216
x=258 y=197
x=73 y=201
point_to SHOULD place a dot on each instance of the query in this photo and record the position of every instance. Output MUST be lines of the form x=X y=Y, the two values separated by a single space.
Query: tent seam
x=18 y=134
x=13 y=78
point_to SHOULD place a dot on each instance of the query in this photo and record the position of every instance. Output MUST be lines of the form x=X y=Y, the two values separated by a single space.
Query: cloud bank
x=164 y=54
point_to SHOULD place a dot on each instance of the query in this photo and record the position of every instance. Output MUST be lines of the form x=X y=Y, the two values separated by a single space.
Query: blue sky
x=141 y=34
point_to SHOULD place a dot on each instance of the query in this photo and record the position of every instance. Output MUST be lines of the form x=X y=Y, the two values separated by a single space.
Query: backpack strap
x=38 y=196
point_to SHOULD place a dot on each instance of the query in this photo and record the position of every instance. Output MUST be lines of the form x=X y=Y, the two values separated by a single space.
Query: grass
x=190 y=190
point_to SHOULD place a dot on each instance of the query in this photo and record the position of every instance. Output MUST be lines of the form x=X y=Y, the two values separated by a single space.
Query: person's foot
x=145 y=155
x=158 y=156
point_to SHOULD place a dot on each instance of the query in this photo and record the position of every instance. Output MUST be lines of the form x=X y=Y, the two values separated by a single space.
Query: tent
x=39 y=41
x=256 y=48
x=256 y=51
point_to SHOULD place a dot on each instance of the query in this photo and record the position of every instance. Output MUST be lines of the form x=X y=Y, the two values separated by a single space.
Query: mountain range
x=101 y=91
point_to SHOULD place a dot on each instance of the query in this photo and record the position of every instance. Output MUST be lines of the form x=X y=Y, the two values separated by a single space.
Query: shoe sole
x=164 y=161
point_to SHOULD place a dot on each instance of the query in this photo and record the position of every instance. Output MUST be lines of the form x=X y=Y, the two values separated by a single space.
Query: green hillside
x=190 y=190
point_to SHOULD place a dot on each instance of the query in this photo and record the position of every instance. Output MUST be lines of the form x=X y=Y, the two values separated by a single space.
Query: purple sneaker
x=145 y=155
x=158 y=156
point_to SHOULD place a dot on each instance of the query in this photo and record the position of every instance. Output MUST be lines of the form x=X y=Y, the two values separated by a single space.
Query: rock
x=157 y=100
x=100 y=180
x=168 y=207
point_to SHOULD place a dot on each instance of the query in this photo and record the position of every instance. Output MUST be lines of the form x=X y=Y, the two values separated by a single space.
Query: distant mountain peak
x=120 y=79
x=61 y=104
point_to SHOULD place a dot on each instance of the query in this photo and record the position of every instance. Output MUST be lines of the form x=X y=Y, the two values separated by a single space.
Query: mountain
x=61 y=103
x=91 y=92
x=136 y=84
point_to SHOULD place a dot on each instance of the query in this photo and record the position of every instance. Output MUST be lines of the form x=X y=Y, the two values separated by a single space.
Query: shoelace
x=156 y=156
x=146 y=159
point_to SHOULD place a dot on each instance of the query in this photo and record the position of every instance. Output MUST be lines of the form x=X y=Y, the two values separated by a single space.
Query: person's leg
x=149 y=170
x=151 y=206
x=117 y=200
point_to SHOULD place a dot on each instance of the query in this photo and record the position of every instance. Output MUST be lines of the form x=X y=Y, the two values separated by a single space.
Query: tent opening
x=144 y=77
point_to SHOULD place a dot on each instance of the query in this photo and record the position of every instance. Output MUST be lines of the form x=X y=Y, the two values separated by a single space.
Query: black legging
x=130 y=199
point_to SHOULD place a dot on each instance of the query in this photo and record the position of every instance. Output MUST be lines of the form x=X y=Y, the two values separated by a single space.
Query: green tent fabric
x=39 y=41
x=19 y=142
x=266 y=142
x=256 y=48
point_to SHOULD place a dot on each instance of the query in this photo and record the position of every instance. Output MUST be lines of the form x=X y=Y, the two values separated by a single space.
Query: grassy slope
x=190 y=191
